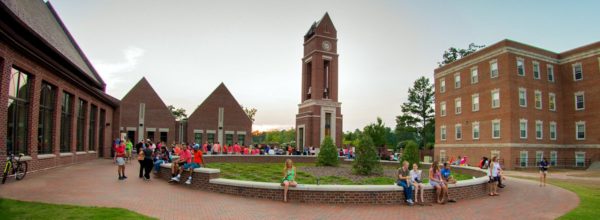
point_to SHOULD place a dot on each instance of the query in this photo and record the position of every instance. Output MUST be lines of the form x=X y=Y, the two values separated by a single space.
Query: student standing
x=494 y=173
x=120 y=160
x=543 y=171
x=147 y=162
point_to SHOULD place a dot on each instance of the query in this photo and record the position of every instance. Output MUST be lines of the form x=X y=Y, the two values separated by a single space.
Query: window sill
x=45 y=156
x=91 y=152
x=80 y=152
x=23 y=158
x=67 y=154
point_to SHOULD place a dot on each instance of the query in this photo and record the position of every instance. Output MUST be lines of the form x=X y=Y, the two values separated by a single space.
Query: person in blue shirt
x=448 y=179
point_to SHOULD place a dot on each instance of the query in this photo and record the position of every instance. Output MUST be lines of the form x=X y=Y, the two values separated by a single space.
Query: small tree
x=328 y=155
x=411 y=152
x=366 y=162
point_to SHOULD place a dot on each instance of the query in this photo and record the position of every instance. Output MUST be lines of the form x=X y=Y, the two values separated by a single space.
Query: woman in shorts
x=543 y=171
x=120 y=160
x=289 y=177
x=435 y=180
x=415 y=177
x=494 y=175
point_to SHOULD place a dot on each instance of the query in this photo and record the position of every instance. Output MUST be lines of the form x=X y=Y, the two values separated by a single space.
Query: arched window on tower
x=326 y=81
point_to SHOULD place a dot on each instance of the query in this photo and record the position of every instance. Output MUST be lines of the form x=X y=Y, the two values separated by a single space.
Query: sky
x=187 y=48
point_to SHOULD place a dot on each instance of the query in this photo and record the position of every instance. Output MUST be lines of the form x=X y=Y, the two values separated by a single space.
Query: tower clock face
x=326 y=45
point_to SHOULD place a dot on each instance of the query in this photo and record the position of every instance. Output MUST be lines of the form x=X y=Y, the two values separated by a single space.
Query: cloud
x=112 y=72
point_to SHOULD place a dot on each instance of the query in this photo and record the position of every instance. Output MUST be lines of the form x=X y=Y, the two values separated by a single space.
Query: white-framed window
x=580 y=130
x=457 y=106
x=523 y=128
x=475 y=102
x=577 y=72
x=552 y=101
x=474 y=75
x=457 y=80
x=536 y=70
x=538 y=99
x=443 y=108
x=523 y=156
x=443 y=132
x=496 y=129
x=458 y=132
x=553 y=133
x=539 y=129
x=475 y=126
x=553 y=158
x=520 y=66
x=443 y=157
x=494 y=69
x=550 y=69
x=579 y=100
x=522 y=97
x=539 y=155
x=442 y=85
x=580 y=159
x=496 y=98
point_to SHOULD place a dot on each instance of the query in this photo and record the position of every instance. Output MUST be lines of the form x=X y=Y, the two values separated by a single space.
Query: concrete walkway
x=95 y=184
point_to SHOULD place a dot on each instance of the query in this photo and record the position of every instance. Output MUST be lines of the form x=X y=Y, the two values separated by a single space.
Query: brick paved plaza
x=95 y=184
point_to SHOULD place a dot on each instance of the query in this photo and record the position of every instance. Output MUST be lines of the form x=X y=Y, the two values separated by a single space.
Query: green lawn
x=272 y=172
x=589 y=196
x=13 y=209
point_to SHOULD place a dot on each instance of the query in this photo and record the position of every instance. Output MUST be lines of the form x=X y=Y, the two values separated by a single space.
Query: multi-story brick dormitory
x=520 y=103
x=55 y=109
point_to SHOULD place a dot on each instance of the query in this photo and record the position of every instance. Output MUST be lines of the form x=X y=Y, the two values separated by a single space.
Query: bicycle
x=20 y=170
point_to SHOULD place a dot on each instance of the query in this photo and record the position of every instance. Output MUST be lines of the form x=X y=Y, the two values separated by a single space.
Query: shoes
x=410 y=202
x=175 y=179
x=451 y=200
x=124 y=177
x=121 y=178
x=146 y=179
x=188 y=182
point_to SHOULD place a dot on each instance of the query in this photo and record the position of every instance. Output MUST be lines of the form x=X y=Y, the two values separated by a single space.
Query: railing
x=560 y=162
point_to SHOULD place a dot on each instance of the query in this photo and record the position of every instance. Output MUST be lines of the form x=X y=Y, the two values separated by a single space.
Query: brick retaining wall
x=208 y=179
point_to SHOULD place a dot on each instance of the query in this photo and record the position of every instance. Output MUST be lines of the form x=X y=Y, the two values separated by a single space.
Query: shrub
x=411 y=153
x=328 y=154
x=366 y=161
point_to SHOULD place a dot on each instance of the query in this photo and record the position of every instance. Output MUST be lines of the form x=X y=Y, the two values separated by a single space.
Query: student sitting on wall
x=185 y=157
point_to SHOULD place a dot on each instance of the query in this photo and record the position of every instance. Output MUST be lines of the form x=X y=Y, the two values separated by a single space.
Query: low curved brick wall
x=208 y=179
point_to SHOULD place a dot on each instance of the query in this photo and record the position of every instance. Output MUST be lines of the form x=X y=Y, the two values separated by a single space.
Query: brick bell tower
x=319 y=113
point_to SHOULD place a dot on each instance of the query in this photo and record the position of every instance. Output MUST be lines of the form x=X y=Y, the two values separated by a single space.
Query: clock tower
x=319 y=113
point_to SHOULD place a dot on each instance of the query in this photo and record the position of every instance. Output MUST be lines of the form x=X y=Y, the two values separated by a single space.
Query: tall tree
x=418 y=110
x=367 y=161
x=453 y=54
x=251 y=112
x=179 y=113
x=376 y=132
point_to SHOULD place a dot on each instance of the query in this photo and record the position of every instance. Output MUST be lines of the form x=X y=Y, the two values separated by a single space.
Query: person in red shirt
x=120 y=159
x=216 y=148
x=205 y=148
x=196 y=163
x=246 y=151
x=230 y=149
x=236 y=148
x=185 y=157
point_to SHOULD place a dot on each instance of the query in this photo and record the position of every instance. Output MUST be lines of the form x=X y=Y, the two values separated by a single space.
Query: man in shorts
x=120 y=159
x=185 y=157
x=196 y=163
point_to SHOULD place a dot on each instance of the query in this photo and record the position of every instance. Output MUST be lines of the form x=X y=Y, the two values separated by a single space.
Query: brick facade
x=220 y=115
x=144 y=114
x=319 y=87
x=512 y=113
x=23 y=47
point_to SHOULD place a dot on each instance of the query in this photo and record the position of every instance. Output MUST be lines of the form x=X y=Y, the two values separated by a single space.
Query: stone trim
x=163 y=130
x=66 y=154
x=80 y=152
x=45 y=156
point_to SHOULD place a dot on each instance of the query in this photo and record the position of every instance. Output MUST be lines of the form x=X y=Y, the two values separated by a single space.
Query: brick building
x=520 y=103
x=56 y=110
x=145 y=116
x=219 y=118
x=319 y=113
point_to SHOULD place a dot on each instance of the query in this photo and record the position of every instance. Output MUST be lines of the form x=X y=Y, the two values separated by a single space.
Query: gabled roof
x=144 y=87
x=313 y=28
x=40 y=17
x=221 y=93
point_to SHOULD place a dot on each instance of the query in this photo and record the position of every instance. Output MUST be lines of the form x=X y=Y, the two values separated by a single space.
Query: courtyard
x=94 y=183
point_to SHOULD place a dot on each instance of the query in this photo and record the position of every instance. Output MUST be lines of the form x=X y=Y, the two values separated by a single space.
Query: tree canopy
x=179 y=113
x=417 y=113
x=453 y=54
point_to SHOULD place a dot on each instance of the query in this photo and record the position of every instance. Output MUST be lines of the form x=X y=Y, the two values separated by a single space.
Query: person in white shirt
x=415 y=177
